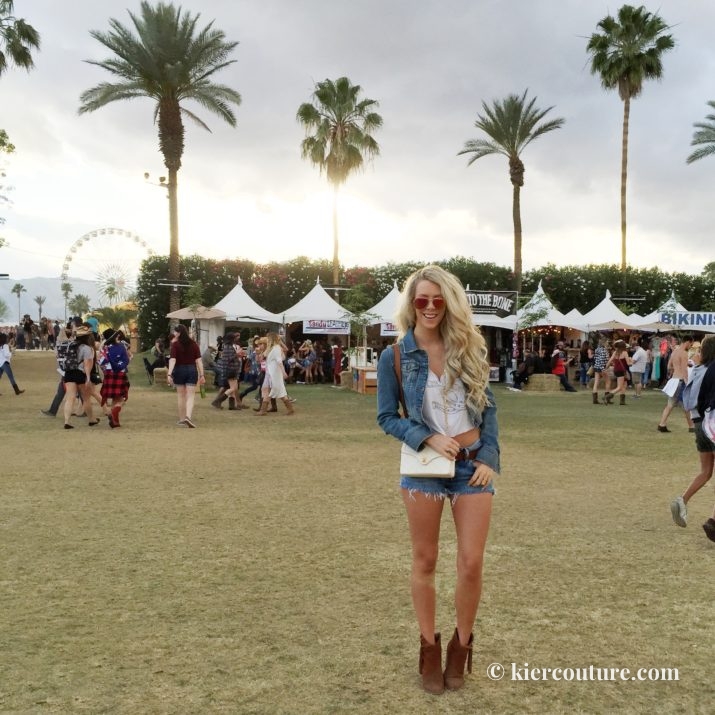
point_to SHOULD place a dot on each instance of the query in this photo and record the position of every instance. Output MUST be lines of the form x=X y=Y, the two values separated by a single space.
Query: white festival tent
x=653 y=322
x=543 y=309
x=606 y=316
x=384 y=312
x=574 y=319
x=241 y=308
x=319 y=313
x=238 y=308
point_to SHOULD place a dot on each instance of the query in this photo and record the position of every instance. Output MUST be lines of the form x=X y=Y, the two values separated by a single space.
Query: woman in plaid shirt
x=600 y=360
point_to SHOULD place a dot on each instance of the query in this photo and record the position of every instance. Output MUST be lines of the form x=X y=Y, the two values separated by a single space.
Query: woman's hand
x=483 y=474
x=446 y=446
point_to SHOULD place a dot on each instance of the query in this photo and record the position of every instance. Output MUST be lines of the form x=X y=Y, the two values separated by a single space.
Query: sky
x=245 y=192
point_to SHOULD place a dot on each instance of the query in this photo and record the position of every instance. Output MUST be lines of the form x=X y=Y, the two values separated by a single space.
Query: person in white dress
x=274 y=384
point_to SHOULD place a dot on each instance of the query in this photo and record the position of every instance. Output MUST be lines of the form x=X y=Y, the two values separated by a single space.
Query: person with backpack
x=114 y=361
x=703 y=359
x=78 y=364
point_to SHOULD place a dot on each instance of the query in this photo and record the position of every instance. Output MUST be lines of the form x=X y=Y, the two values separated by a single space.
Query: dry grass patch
x=260 y=566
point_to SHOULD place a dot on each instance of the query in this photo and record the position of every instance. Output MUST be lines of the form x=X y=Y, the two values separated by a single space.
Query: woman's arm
x=489 y=451
x=406 y=430
x=172 y=365
x=200 y=369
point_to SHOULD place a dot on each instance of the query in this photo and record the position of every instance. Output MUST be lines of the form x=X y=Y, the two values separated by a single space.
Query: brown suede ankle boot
x=274 y=405
x=289 y=406
x=431 y=665
x=457 y=654
x=623 y=400
x=595 y=398
x=264 y=409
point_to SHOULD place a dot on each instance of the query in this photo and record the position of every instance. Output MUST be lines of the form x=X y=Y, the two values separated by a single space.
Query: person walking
x=114 y=361
x=185 y=372
x=639 y=363
x=678 y=371
x=78 y=366
x=5 y=367
x=445 y=382
x=600 y=360
x=706 y=449
x=274 y=387
x=620 y=362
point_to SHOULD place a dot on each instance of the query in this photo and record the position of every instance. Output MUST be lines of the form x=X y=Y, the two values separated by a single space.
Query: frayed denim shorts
x=447 y=488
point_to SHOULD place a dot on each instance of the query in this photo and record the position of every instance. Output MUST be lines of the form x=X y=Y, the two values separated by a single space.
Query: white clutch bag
x=425 y=463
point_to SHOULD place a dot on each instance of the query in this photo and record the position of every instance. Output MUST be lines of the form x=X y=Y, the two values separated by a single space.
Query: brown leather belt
x=465 y=456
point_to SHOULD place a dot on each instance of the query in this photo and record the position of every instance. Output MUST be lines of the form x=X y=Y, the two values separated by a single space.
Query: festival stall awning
x=606 y=316
x=540 y=311
x=239 y=307
x=200 y=313
x=384 y=312
x=319 y=313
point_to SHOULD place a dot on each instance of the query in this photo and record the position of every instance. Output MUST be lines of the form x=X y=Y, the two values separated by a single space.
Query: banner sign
x=388 y=330
x=688 y=320
x=499 y=303
x=326 y=327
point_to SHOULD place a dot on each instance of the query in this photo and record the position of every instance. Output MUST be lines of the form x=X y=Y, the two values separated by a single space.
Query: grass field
x=260 y=566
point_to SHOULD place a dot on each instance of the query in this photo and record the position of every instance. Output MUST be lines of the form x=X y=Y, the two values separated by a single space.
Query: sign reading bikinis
x=688 y=320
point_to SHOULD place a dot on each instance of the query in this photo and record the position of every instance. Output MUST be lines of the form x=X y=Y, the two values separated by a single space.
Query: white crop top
x=445 y=411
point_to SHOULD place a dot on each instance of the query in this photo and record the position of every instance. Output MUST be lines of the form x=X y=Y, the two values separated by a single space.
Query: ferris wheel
x=113 y=265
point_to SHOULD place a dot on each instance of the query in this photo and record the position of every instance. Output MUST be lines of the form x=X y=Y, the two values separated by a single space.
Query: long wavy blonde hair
x=464 y=346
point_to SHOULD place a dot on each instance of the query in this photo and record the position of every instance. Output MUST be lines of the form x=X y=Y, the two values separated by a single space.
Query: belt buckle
x=464 y=453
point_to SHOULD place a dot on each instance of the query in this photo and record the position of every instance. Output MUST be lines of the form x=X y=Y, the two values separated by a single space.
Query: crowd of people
x=433 y=392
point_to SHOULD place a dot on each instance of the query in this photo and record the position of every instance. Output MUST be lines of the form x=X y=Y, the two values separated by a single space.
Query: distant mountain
x=51 y=288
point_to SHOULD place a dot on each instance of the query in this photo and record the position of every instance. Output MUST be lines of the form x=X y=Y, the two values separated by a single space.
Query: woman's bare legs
x=70 y=398
x=424 y=514
x=181 y=397
x=190 y=396
x=707 y=461
x=471 y=514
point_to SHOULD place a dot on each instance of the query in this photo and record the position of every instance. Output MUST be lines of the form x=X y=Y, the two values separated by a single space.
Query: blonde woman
x=445 y=380
x=274 y=383
x=620 y=362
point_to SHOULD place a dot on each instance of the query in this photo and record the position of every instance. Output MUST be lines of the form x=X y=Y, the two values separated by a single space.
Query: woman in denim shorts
x=445 y=381
x=703 y=358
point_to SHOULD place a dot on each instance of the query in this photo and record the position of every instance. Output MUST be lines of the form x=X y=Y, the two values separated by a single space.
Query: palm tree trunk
x=174 y=301
x=336 y=262
x=516 y=215
x=624 y=181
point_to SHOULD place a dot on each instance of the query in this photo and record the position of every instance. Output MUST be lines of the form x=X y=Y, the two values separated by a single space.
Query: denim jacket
x=412 y=430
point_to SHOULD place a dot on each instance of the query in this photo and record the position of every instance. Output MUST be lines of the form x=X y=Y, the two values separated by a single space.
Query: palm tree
x=170 y=61
x=79 y=305
x=40 y=300
x=115 y=318
x=511 y=125
x=704 y=137
x=625 y=54
x=18 y=289
x=341 y=140
x=17 y=38
x=66 y=289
